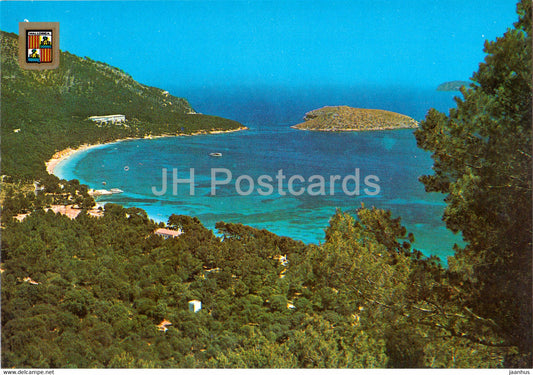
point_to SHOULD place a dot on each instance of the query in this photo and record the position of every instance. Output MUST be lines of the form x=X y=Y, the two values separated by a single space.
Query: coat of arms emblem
x=39 y=45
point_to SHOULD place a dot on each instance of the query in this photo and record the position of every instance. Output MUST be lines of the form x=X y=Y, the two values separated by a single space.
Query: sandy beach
x=68 y=152
x=228 y=131
x=62 y=155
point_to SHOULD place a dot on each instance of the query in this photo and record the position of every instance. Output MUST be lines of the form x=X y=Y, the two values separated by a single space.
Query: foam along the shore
x=59 y=156
x=62 y=155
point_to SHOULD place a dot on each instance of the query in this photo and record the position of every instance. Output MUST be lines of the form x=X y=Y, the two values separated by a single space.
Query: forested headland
x=49 y=109
x=92 y=291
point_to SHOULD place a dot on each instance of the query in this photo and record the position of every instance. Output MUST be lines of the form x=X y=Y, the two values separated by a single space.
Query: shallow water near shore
x=268 y=147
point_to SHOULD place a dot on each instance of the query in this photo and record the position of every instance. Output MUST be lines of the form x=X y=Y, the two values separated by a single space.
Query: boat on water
x=215 y=154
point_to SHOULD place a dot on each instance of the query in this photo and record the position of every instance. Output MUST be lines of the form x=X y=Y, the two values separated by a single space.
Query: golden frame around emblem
x=24 y=27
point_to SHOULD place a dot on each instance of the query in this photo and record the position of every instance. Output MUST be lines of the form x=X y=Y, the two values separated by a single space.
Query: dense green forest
x=49 y=109
x=91 y=292
x=362 y=299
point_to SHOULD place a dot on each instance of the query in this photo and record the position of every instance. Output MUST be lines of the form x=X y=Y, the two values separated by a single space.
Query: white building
x=114 y=119
x=168 y=233
x=195 y=305
x=37 y=187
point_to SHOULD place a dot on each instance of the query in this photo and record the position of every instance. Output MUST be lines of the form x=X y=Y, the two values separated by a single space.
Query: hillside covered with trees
x=94 y=291
x=100 y=286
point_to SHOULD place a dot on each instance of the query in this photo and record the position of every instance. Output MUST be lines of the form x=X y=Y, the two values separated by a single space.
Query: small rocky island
x=453 y=85
x=344 y=118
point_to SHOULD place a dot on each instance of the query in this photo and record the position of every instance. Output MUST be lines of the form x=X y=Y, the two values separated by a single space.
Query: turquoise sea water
x=268 y=147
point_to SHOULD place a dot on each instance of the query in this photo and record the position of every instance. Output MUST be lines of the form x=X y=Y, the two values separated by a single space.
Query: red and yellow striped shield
x=33 y=41
x=46 y=55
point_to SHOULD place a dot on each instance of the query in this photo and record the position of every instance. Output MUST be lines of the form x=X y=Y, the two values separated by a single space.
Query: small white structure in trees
x=163 y=326
x=282 y=259
x=37 y=187
x=168 y=233
x=195 y=305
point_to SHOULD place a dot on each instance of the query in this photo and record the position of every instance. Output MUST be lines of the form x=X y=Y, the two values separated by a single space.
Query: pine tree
x=482 y=162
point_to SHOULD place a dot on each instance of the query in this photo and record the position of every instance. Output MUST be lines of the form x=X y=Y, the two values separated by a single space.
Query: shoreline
x=62 y=155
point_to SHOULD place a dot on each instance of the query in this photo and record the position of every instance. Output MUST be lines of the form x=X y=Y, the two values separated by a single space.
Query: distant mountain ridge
x=344 y=118
x=47 y=111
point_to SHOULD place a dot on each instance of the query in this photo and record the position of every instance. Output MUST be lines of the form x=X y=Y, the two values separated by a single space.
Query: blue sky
x=280 y=43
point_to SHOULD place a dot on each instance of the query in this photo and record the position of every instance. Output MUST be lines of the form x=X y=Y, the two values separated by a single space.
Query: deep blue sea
x=270 y=145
